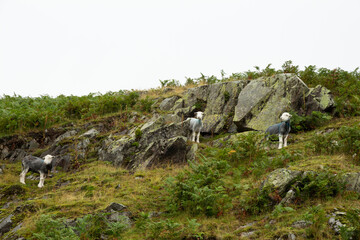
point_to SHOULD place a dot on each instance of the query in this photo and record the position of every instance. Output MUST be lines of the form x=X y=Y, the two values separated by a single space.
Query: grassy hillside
x=229 y=199
x=215 y=197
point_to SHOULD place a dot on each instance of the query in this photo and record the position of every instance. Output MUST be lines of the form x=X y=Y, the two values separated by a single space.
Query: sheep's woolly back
x=48 y=159
x=196 y=124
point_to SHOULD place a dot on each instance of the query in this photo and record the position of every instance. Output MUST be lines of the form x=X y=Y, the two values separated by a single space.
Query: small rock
x=155 y=214
x=116 y=217
x=115 y=207
x=291 y=236
x=6 y=224
x=247 y=225
x=290 y=196
x=65 y=135
x=33 y=144
x=272 y=222
x=335 y=224
x=340 y=213
x=247 y=234
x=91 y=133
x=301 y=224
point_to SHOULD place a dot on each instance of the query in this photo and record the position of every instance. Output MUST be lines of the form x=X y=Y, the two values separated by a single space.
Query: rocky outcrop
x=217 y=101
x=282 y=179
x=263 y=100
x=154 y=143
x=319 y=99
x=168 y=103
x=250 y=105
x=228 y=107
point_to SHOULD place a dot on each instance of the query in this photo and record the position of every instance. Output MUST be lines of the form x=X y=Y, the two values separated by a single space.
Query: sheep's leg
x=193 y=136
x=23 y=174
x=42 y=178
x=198 y=136
x=285 y=140
x=280 y=141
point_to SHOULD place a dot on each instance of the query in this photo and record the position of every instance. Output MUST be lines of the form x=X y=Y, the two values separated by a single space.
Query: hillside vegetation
x=219 y=195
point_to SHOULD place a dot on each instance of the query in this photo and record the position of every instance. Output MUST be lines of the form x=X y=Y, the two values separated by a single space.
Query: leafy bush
x=167 y=229
x=169 y=83
x=48 y=228
x=247 y=149
x=319 y=228
x=247 y=154
x=145 y=105
x=307 y=123
x=200 y=190
x=93 y=226
x=87 y=227
x=346 y=140
x=257 y=202
x=344 y=85
x=138 y=133
x=352 y=229
x=322 y=185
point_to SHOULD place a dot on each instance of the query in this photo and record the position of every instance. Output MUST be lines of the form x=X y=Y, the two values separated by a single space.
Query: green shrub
x=48 y=228
x=23 y=113
x=351 y=230
x=324 y=144
x=247 y=154
x=145 y=105
x=346 y=140
x=307 y=123
x=87 y=227
x=319 y=228
x=247 y=148
x=257 y=202
x=322 y=185
x=226 y=96
x=200 y=190
x=170 y=83
x=138 y=134
x=93 y=226
x=167 y=229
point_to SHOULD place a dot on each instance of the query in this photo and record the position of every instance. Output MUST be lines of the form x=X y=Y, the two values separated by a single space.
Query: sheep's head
x=285 y=116
x=199 y=115
x=48 y=159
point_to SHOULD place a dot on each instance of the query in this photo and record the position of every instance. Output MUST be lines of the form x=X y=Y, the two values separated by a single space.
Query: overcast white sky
x=81 y=46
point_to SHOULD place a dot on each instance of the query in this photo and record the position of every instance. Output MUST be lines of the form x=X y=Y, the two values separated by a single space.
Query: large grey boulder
x=263 y=100
x=319 y=99
x=250 y=105
x=217 y=101
x=193 y=99
x=352 y=181
x=221 y=100
x=280 y=180
x=168 y=103
x=154 y=143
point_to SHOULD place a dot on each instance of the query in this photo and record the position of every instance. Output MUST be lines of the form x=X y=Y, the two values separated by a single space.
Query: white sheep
x=196 y=125
x=282 y=129
x=35 y=164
